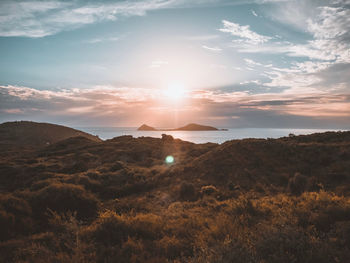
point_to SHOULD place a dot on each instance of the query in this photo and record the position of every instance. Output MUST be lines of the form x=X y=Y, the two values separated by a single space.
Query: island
x=145 y=127
x=188 y=127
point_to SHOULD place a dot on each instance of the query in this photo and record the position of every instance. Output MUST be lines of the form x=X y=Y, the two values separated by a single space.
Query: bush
x=167 y=138
x=283 y=244
x=109 y=229
x=187 y=192
x=62 y=198
x=297 y=184
x=15 y=217
x=209 y=190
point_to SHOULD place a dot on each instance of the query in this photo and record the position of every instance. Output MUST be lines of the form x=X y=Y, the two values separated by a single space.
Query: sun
x=175 y=91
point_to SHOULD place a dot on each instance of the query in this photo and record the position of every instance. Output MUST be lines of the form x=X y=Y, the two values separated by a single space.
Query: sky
x=253 y=63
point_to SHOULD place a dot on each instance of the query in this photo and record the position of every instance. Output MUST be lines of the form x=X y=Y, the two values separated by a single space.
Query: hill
x=25 y=133
x=252 y=200
x=145 y=127
x=196 y=127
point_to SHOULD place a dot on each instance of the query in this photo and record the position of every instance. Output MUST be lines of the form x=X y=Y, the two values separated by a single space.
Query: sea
x=200 y=136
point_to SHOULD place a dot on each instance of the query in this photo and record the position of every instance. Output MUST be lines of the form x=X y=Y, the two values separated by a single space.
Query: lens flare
x=169 y=159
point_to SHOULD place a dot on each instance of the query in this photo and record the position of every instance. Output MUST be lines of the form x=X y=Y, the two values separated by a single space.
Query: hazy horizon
x=166 y=63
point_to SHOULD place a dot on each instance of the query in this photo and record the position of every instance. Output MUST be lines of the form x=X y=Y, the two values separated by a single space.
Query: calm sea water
x=199 y=136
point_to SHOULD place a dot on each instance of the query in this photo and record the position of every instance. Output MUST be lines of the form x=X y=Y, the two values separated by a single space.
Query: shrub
x=145 y=226
x=113 y=229
x=109 y=229
x=187 y=192
x=209 y=190
x=233 y=187
x=167 y=138
x=313 y=184
x=228 y=250
x=172 y=247
x=116 y=166
x=244 y=207
x=283 y=244
x=15 y=217
x=61 y=198
x=330 y=215
x=297 y=184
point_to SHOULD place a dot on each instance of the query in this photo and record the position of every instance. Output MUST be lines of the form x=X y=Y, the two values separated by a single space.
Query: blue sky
x=228 y=63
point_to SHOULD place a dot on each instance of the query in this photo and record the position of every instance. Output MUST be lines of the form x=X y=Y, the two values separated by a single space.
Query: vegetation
x=254 y=200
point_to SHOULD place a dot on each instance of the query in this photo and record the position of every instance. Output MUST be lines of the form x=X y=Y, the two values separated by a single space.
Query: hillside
x=252 y=200
x=24 y=133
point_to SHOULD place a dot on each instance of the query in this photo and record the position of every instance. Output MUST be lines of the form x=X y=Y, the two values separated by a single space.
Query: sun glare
x=175 y=91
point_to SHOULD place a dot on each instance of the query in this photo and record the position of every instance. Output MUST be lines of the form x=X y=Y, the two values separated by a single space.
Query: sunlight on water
x=200 y=136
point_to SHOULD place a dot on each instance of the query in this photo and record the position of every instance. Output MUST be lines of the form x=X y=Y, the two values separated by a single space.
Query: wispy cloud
x=243 y=32
x=39 y=19
x=158 y=63
x=251 y=62
x=102 y=39
x=254 y=13
x=43 y=18
x=203 y=37
x=215 y=49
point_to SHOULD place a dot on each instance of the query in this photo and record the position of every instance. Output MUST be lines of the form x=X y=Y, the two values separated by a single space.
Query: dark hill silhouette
x=188 y=127
x=252 y=200
x=145 y=127
x=196 y=127
x=24 y=133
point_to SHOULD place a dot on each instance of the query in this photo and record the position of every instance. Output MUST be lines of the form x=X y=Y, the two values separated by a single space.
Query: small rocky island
x=145 y=127
x=188 y=127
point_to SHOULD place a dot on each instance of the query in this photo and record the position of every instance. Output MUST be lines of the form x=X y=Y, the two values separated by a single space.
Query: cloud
x=37 y=18
x=325 y=58
x=203 y=37
x=214 y=49
x=257 y=82
x=254 y=13
x=102 y=39
x=101 y=105
x=251 y=62
x=158 y=63
x=44 y=18
x=108 y=105
x=243 y=32
x=326 y=22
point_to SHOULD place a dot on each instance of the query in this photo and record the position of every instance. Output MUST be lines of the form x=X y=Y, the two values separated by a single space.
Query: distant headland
x=188 y=127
